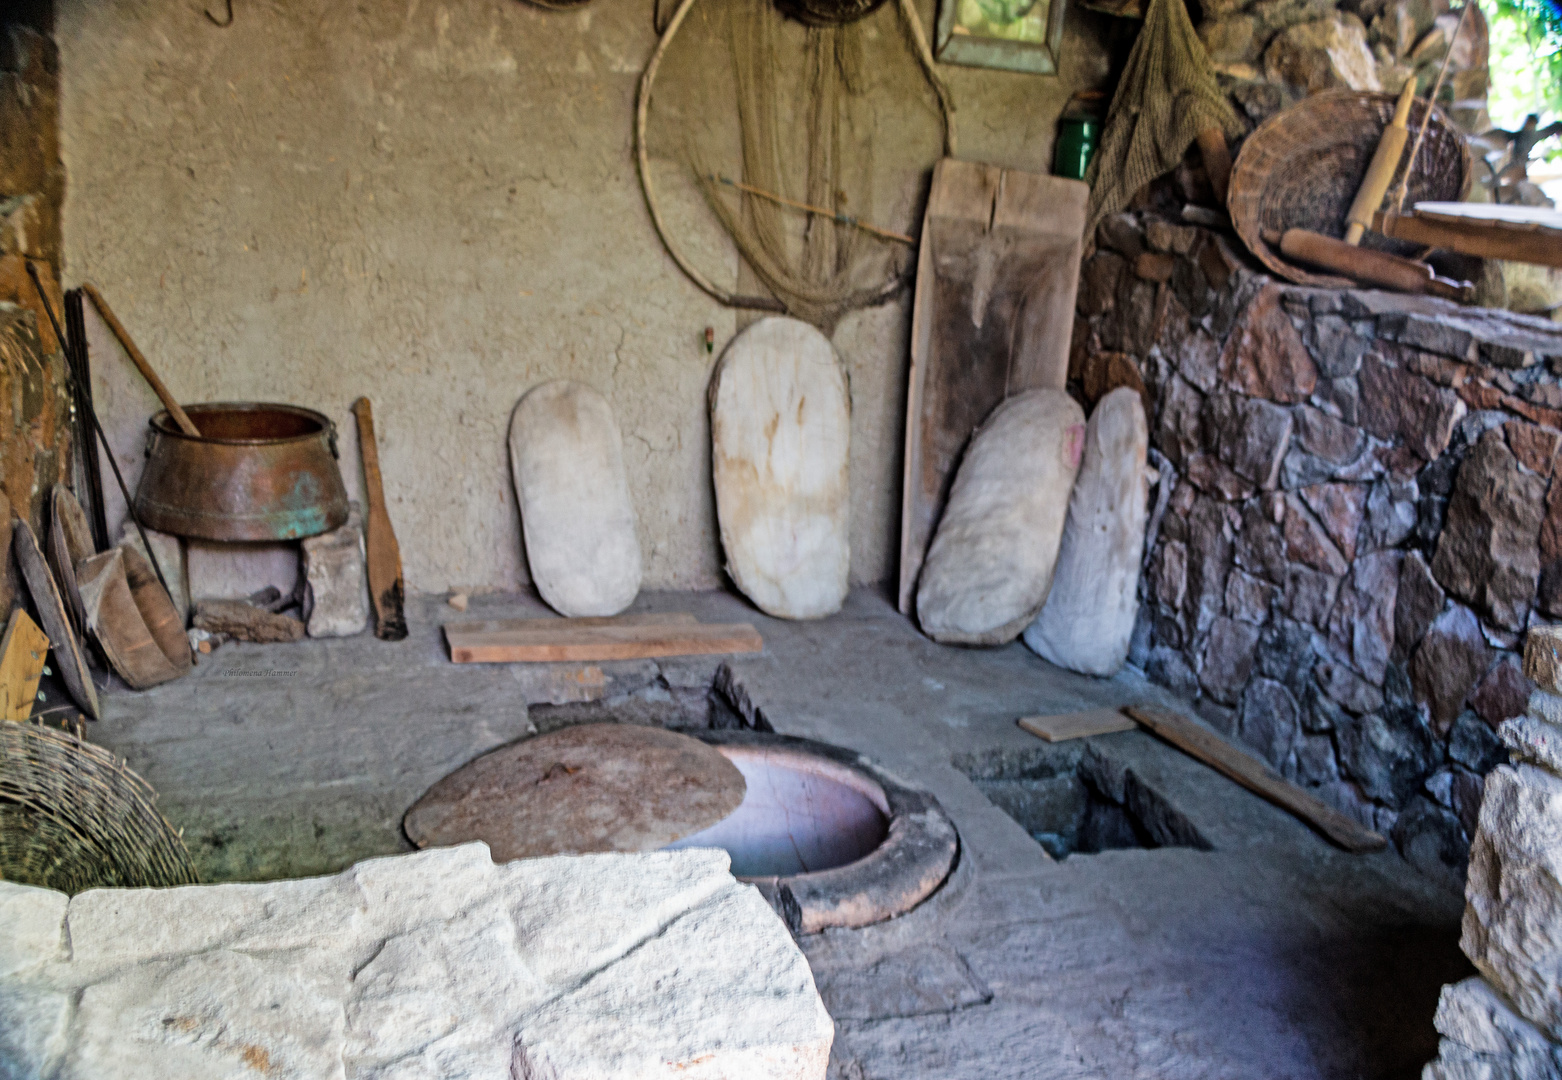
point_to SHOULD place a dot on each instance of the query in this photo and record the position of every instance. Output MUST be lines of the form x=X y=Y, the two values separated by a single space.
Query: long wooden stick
x=1431 y=103
x=1257 y=777
x=385 y=585
x=140 y=361
x=831 y=214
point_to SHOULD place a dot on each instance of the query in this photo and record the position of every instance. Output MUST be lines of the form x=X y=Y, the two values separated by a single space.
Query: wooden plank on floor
x=559 y=622
x=552 y=640
x=1076 y=725
x=22 y=654
x=1257 y=777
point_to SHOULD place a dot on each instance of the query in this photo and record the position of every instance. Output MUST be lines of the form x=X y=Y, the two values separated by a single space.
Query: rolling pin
x=1380 y=173
x=1364 y=264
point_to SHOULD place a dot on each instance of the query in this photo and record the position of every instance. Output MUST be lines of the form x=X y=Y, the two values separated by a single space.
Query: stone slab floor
x=1272 y=955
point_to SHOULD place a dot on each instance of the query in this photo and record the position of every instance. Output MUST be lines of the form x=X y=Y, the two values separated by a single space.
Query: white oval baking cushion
x=780 y=443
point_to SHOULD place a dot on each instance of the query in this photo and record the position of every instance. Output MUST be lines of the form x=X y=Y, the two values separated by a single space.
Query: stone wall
x=1359 y=517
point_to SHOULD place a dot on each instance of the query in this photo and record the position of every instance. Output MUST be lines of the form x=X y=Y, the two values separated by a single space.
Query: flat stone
x=1473 y=744
x=34 y=922
x=1089 y=614
x=1248 y=598
x=1322 y=55
x=577 y=515
x=1341 y=396
x=1228 y=659
x=1308 y=542
x=1180 y=429
x=1362 y=622
x=1214 y=477
x=1285 y=654
x=1543 y=658
x=1264 y=357
x=1170 y=576
x=587 y=787
x=1331 y=440
x=780 y=442
x=1348 y=687
x=1533 y=446
x=1451 y=659
x=433 y=964
x=1391 y=514
x=1512 y=931
x=1315 y=760
x=1339 y=508
x=990 y=566
x=1209 y=561
x=1198 y=360
x=1336 y=347
x=1488 y=554
x=337 y=600
x=1250 y=435
x=1260 y=545
x=1269 y=720
x=1473 y=1014
x=1502 y=694
x=1399 y=406
x=1309 y=595
x=1417 y=602
x=1533 y=740
x=1433 y=333
x=1389 y=754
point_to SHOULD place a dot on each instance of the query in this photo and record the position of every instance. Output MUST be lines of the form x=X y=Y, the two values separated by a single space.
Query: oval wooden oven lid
x=590 y=787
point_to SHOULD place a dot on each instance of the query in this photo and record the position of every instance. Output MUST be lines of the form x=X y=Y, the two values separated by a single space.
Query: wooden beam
x=1489 y=240
x=551 y=640
x=1212 y=750
x=1076 y=725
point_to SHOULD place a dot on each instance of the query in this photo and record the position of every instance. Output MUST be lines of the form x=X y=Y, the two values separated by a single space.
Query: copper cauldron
x=258 y=472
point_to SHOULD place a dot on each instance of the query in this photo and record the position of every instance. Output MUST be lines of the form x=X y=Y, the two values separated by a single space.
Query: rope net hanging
x=1166 y=96
x=805 y=116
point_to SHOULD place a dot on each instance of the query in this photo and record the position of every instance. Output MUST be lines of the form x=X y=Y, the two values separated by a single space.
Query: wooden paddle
x=385 y=587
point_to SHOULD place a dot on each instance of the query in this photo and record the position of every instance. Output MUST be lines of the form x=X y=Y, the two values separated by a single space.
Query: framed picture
x=1014 y=35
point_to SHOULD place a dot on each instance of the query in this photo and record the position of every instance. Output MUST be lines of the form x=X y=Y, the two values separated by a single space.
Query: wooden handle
x=140 y=361
x=1257 y=777
x=386 y=592
x=1217 y=161
x=363 y=412
x=1363 y=264
x=1380 y=173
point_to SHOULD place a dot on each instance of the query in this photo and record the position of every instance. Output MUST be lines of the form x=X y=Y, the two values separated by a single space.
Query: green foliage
x=1526 y=63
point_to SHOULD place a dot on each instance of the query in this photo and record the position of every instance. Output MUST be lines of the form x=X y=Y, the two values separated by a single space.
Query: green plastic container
x=1077 y=139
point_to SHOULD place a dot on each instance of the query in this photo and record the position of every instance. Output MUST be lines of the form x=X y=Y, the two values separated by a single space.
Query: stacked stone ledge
x=1506 y=1023
x=1360 y=517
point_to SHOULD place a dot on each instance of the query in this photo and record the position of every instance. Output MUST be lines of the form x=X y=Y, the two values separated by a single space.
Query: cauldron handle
x=330 y=438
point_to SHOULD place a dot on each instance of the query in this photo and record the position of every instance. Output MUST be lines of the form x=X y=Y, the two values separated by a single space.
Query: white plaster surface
x=436 y=964
x=576 y=511
x=1089 y=615
x=436 y=205
x=780 y=445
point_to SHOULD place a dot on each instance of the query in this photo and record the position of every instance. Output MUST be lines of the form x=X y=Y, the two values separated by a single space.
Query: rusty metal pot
x=257 y=472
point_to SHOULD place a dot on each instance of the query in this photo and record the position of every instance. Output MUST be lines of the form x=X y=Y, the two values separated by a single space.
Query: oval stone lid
x=590 y=787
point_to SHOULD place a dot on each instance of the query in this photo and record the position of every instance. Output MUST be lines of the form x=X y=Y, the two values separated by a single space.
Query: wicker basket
x=1300 y=170
x=73 y=817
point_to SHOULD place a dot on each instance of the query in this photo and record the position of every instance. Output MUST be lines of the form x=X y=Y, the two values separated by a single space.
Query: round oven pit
x=828 y=838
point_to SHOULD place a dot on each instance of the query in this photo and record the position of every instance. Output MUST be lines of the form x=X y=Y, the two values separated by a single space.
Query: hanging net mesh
x=1166 y=96
x=801 y=112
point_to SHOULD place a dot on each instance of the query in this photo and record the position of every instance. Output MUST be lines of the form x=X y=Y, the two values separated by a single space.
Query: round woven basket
x=1300 y=170
x=73 y=817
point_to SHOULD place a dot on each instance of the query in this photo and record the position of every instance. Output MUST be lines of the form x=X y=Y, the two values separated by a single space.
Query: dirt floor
x=1251 y=948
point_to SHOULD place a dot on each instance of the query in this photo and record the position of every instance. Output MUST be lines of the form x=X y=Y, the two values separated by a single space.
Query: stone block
x=1543 y=658
x=336 y=580
x=1334 y=441
x=433 y=964
x=1336 y=347
x=1308 y=542
x=1228 y=659
x=1285 y=654
x=1323 y=55
x=1217 y=479
x=1503 y=693
x=1309 y=595
x=1430 y=332
x=1533 y=740
x=1347 y=687
x=1512 y=927
x=1362 y=622
x=1391 y=514
x=1180 y=429
x=1389 y=754
x=1250 y=435
x=1259 y=547
x=34 y=927
x=1399 y=406
x=1264 y=357
x=1340 y=396
x=1269 y=721
x=1339 y=508
x=1198 y=360
x=1473 y=744
x=1209 y=561
x=1417 y=601
x=1451 y=659
x=1488 y=554
x=1170 y=577
x=1248 y=598
x=1533 y=446
x=1475 y=1016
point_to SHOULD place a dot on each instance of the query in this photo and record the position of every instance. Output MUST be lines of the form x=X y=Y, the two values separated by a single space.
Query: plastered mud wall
x=435 y=205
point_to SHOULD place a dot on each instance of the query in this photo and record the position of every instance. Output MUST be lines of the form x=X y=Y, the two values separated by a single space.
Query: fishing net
x=1166 y=96
x=809 y=101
